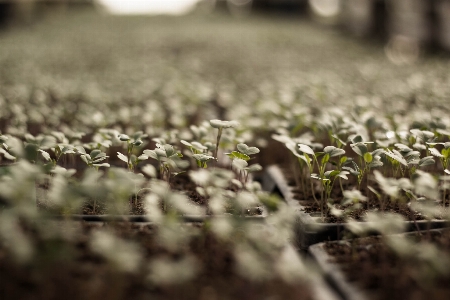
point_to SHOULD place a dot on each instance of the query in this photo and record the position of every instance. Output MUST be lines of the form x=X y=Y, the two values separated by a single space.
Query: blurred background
x=114 y=55
x=423 y=22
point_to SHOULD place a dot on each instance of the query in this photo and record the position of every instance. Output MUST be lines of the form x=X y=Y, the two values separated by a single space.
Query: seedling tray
x=334 y=275
x=309 y=229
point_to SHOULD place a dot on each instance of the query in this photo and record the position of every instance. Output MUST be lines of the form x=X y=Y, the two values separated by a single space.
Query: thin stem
x=219 y=135
x=313 y=193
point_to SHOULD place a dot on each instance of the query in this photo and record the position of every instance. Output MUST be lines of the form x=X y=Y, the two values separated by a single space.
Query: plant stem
x=219 y=135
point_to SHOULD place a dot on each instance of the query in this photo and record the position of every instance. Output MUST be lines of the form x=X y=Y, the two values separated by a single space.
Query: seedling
x=59 y=150
x=240 y=160
x=169 y=160
x=351 y=202
x=94 y=158
x=199 y=153
x=368 y=160
x=131 y=159
x=220 y=125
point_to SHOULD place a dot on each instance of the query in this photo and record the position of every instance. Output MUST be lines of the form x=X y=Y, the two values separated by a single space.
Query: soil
x=382 y=274
x=69 y=270
x=372 y=203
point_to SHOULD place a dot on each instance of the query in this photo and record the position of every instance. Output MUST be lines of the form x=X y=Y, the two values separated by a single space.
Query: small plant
x=240 y=160
x=94 y=158
x=367 y=160
x=59 y=150
x=351 y=202
x=131 y=159
x=220 y=125
x=169 y=160
x=199 y=153
x=326 y=178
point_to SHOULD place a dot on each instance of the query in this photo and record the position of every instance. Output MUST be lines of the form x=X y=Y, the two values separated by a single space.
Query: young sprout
x=199 y=153
x=131 y=159
x=443 y=155
x=351 y=202
x=212 y=184
x=169 y=160
x=94 y=158
x=202 y=159
x=240 y=160
x=220 y=125
x=368 y=160
x=425 y=136
x=326 y=178
x=59 y=150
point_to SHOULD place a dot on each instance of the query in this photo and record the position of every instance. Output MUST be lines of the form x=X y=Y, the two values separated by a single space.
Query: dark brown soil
x=375 y=268
x=69 y=270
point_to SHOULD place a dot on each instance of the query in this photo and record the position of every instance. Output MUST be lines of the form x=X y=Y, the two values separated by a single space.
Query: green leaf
x=123 y=137
x=351 y=170
x=202 y=157
x=67 y=150
x=122 y=157
x=333 y=151
x=84 y=158
x=338 y=139
x=325 y=158
x=160 y=153
x=186 y=143
x=223 y=124
x=359 y=148
x=332 y=173
x=254 y=168
x=198 y=146
x=80 y=149
x=243 y=148
x=375 y=164
x=239 y=164
x=443 y=132
x=426 y=161
x=357 y=139
x=396 y=156
x=94 y=153
x=45 y=155
x=106 y=165
x=137 y=143
x=343 y=175
x=100 y=158
x=305 y=149
x=368 y=157
x=151 y=153
x=343 y=159
x=435 y=152
x=169 y=150
x=142 y=157
x=445 y=152
x=150 y=171
x=236 y=154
